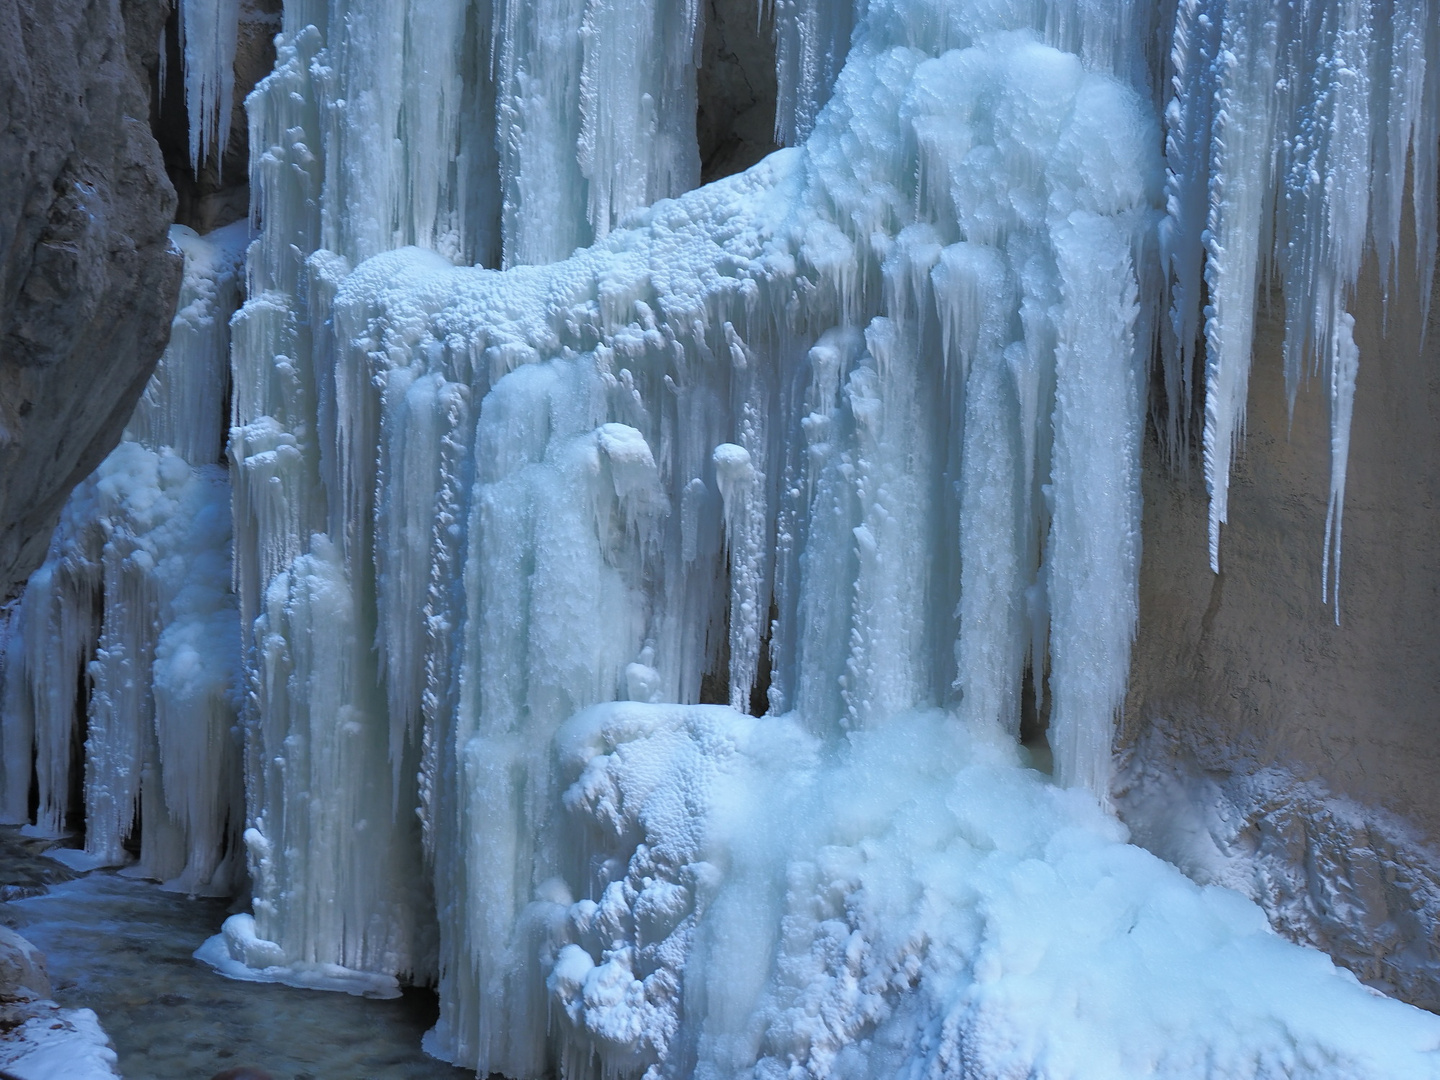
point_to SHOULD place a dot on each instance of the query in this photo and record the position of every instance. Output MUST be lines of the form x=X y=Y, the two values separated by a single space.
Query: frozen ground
x=58 y=1044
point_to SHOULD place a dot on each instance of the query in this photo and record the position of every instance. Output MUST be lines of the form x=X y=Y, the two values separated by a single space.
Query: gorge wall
x=1267 y=745
x=87 y=276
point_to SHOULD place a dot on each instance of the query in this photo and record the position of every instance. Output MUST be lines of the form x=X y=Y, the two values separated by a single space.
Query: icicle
x=887 y=384
x=1342 y=407
x=1314 y=109
x=208 y=31
x=1239 y=214
x=1189 y=121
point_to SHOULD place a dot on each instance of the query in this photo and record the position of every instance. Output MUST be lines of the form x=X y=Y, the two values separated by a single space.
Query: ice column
x=594 y=124
x=139 y=579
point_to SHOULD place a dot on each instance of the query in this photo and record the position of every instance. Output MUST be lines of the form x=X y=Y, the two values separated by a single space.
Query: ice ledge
x=237 y=952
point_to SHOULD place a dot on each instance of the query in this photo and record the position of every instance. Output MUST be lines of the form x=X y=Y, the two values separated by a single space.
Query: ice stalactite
x=132 y=624
x=1299 y=121
x=208 y=35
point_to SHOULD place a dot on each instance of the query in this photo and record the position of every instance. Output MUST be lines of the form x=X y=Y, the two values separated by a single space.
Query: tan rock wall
x=1305 y=753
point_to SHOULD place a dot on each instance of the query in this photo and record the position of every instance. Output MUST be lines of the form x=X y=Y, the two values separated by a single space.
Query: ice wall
x=868 y=416
x=131 y=624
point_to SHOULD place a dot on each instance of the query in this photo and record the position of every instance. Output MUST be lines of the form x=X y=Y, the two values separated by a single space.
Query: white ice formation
x=209 y=30
x=135 y=599
x=859 y=427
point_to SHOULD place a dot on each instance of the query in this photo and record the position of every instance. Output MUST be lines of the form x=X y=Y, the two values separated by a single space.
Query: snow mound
x=916 y=903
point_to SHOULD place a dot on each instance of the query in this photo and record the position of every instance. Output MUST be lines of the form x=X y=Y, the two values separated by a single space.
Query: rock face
x=1264 y=746
x=22 y=968
x=735 y=121
x=88 y=280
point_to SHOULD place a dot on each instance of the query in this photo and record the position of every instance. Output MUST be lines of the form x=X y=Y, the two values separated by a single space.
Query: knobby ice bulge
x=860 y=426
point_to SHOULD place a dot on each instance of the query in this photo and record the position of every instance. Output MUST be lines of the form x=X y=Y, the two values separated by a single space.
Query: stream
x=123 y=948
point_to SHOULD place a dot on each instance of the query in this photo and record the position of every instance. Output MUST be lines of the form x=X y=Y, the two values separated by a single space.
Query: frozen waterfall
x=545 y=463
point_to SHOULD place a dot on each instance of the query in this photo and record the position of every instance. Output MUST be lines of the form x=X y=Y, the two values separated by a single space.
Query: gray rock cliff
x=88 y=279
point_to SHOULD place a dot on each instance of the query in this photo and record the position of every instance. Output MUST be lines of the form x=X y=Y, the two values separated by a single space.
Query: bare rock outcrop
x=88 y=279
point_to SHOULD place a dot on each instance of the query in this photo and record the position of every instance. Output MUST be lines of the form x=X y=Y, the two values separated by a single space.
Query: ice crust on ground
x=59 y=1044
x=1357 y=882
x=866 y=418
x=237 y=953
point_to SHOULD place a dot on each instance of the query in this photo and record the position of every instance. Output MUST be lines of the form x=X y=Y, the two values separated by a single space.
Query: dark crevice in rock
x=219 y=193
x=735 y=118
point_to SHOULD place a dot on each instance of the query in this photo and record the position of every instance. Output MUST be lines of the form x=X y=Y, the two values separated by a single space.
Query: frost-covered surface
x=38 y=1039
x=1352 y=880
x=52 y=1043
x=914 y=903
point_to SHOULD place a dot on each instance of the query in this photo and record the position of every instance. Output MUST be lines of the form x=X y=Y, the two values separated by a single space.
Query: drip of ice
x=208 y=33
x=1298 y=122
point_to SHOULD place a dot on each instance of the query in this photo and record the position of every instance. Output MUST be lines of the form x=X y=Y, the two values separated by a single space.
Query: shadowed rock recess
x=88 y=279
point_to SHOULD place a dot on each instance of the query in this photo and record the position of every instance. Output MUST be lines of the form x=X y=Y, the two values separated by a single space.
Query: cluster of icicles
x=864 y=421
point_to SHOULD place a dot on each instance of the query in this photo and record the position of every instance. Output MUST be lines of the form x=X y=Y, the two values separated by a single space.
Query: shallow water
x=122 y=947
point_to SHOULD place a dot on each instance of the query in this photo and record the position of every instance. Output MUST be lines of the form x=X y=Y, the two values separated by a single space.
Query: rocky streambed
x=122 y=947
